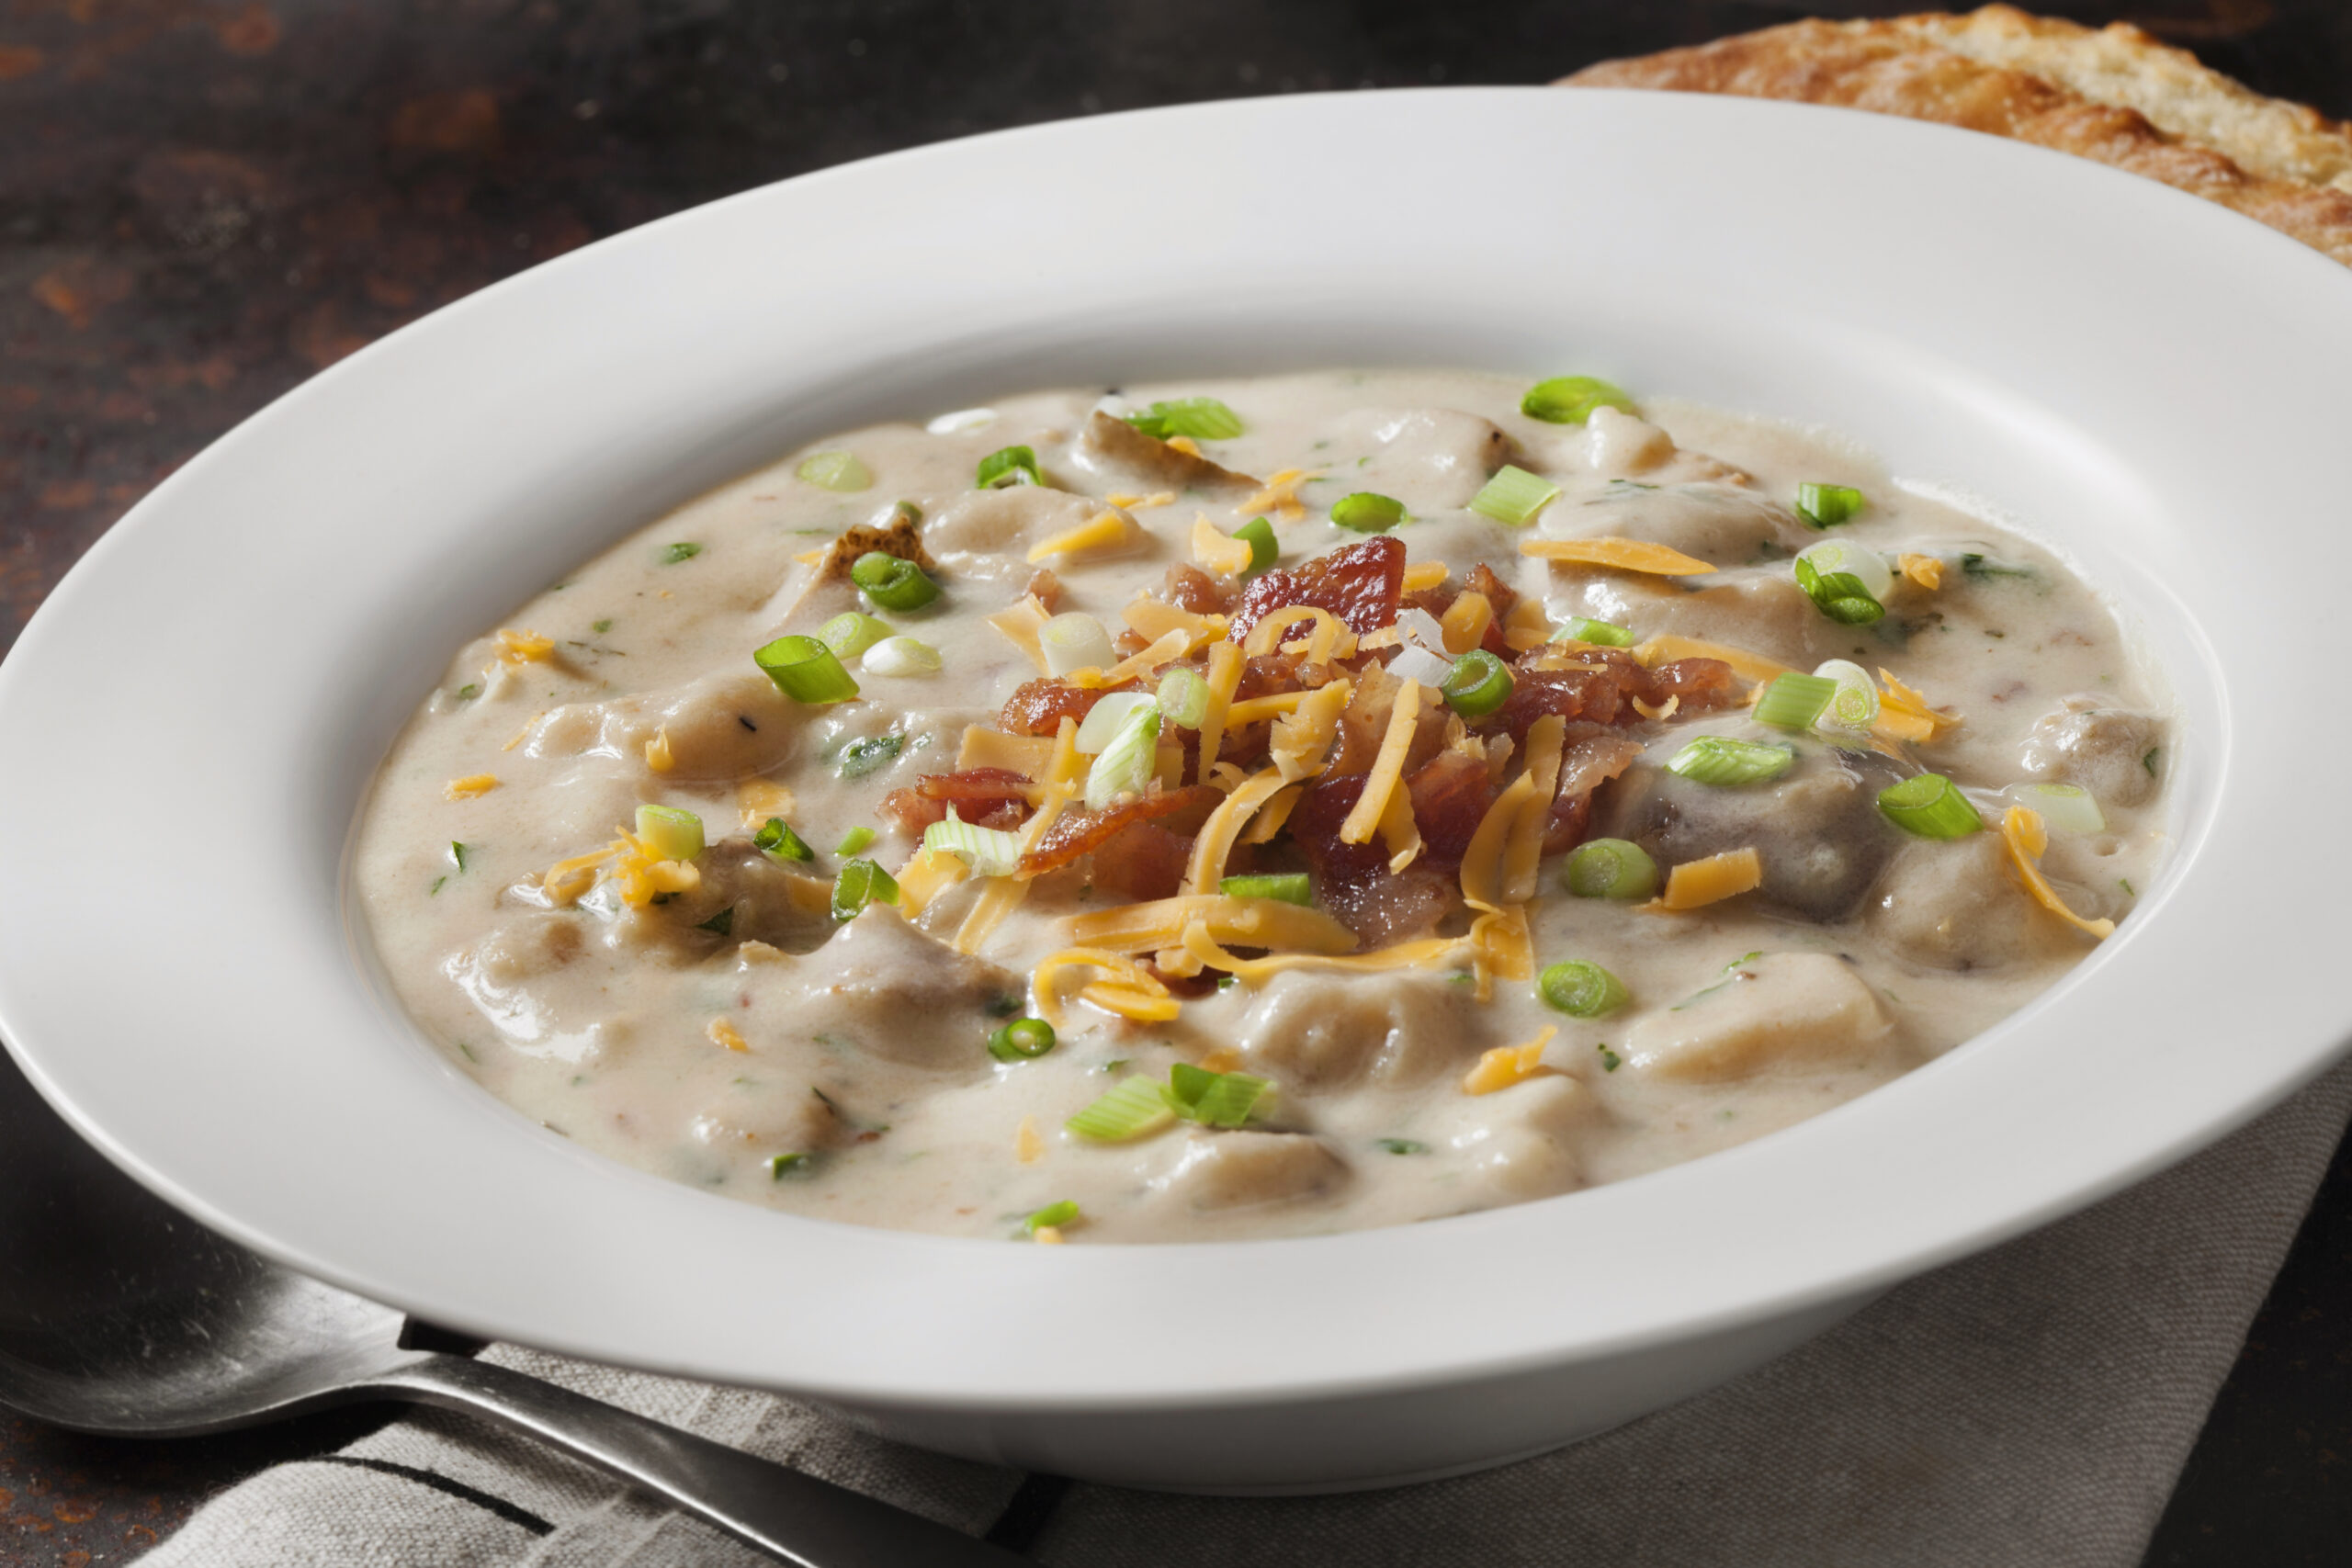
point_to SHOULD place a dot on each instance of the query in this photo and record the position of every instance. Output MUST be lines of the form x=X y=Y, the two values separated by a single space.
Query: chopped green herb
x=782 y=1166
x=469 y=690
x=437 y=886
x=1402 y=1147
x=468 y=1050
x=1610 y=1060
x=1978 y=565
x=457 y=853
x=1001 y=1007
x=1113 y=1066
x=856 y=839
x=860 y=758
x=2148 y=759
x=1225 y=982
x=2125 y=883
x=722 y=923
x=599 y=627
x=683 y=550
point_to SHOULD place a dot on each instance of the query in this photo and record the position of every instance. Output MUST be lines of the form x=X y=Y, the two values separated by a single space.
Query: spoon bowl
x=121 y=1317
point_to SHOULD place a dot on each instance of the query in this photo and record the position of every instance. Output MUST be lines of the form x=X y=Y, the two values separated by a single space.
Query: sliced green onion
x=1722 y=761
x=1075 y=641
x=1930 y=806
x=1021 y=1040
x=673 y=833
x=778 y=841
x=1214 y=1100
x=1794 y=701
x=856 y=839
x=851 y=633
x=1010 y=466
x=782 y=1166
x=805 y=669
x=2069 y=808
x=683 y=551
x=1826 y=506
x=860 y=758
x=1368 y=513
x=1400 y=1146
x=834 y=470
x=1612 y=868
x=1137 y=1106
x=893 y=581
x=1583 y=629
x=1103 y=721
x=1127 y=764
x=1202 y=419
x=989 y=852
x=1053 y=1216
x=861 y=883
x=1291 y=888
x=1854 y=707
x=1570 y=399
x=1844 y=581
x=1514 y=496
x=1477 y=685
x=1580 y=989
x=901 y=656
x=1184 y=698
x=1264 y=550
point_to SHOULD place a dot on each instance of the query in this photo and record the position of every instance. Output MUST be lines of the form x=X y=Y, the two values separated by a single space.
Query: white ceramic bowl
x=2152 y=384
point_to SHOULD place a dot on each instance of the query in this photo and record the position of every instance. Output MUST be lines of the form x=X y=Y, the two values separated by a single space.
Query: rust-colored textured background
x=202 y=202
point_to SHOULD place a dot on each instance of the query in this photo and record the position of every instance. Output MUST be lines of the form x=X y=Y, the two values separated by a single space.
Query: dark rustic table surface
x=204 y=201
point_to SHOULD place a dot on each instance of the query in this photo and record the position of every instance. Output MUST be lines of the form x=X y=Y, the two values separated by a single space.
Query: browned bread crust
x=1922 y=68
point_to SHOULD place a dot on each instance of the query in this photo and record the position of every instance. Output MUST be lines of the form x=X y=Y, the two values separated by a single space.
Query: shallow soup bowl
x=2149 y=385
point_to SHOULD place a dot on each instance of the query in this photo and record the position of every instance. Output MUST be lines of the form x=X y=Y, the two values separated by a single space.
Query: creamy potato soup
x=1259 y=808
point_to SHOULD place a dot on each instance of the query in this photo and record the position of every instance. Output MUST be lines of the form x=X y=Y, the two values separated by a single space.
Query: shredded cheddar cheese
x=1618 y=555
x=1280 y=494
x=1482 y=863
x=722 y=1032
x=1465 y=621
x=518 y=648
x=1268 y=634
x=1429 y=952
x=1224 y=674
x=1155 y=618
x=1658 y=711
x=2022 y=830
x=469 y=786
x=1913 y=718
x=759 y=799
x=1422 y=576
x=1508 y=1065
x=927 y=874
x=1139 y=503
x=1028 y=755
x=1251 y=922
x=1524 y=850
x=1695 y=883
x=1168 y=649
x=1020 y=623
x=1747 y=666
x=1215 y=840
x=1184 y=444
x=1221 y=1059
x=1925 y=570
x=1109 y=532
x=1217 y=550
x=1004 y=894
x=1271 y=816
x=1387 y=770
x=1027 y=1147
x=1130 y=989
x=658 y=755
x=1526 y=625
x=1302 y=739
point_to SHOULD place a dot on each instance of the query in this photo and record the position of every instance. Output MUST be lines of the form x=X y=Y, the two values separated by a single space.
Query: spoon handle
x=794 y=1517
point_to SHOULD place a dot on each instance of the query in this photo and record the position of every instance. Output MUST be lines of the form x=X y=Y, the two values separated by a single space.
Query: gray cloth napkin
x=2030 y=1405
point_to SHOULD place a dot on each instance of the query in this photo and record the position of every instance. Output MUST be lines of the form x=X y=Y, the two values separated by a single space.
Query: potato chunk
x=1788 y=1011
x=1323 y=1031
x=1235 y=1170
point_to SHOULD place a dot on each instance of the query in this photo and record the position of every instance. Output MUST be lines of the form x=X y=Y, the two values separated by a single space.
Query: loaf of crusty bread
x=2115 y=94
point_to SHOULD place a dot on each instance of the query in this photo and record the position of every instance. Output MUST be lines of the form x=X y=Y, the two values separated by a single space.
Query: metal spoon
x=121 y=1317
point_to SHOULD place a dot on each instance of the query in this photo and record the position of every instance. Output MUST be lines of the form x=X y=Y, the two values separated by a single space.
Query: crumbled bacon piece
x=1141 y=860
x=1039 y=707
x=1358 y=583
x=1600 y=686
x=1450 y=794
x=991 y=797
x=1593 y=755
x=1353 y=882
x=1699 y=683
x=1484 y=581
x=1079 y=832
x=1190 y=588
x=1573 y=693
x=1047 y=589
